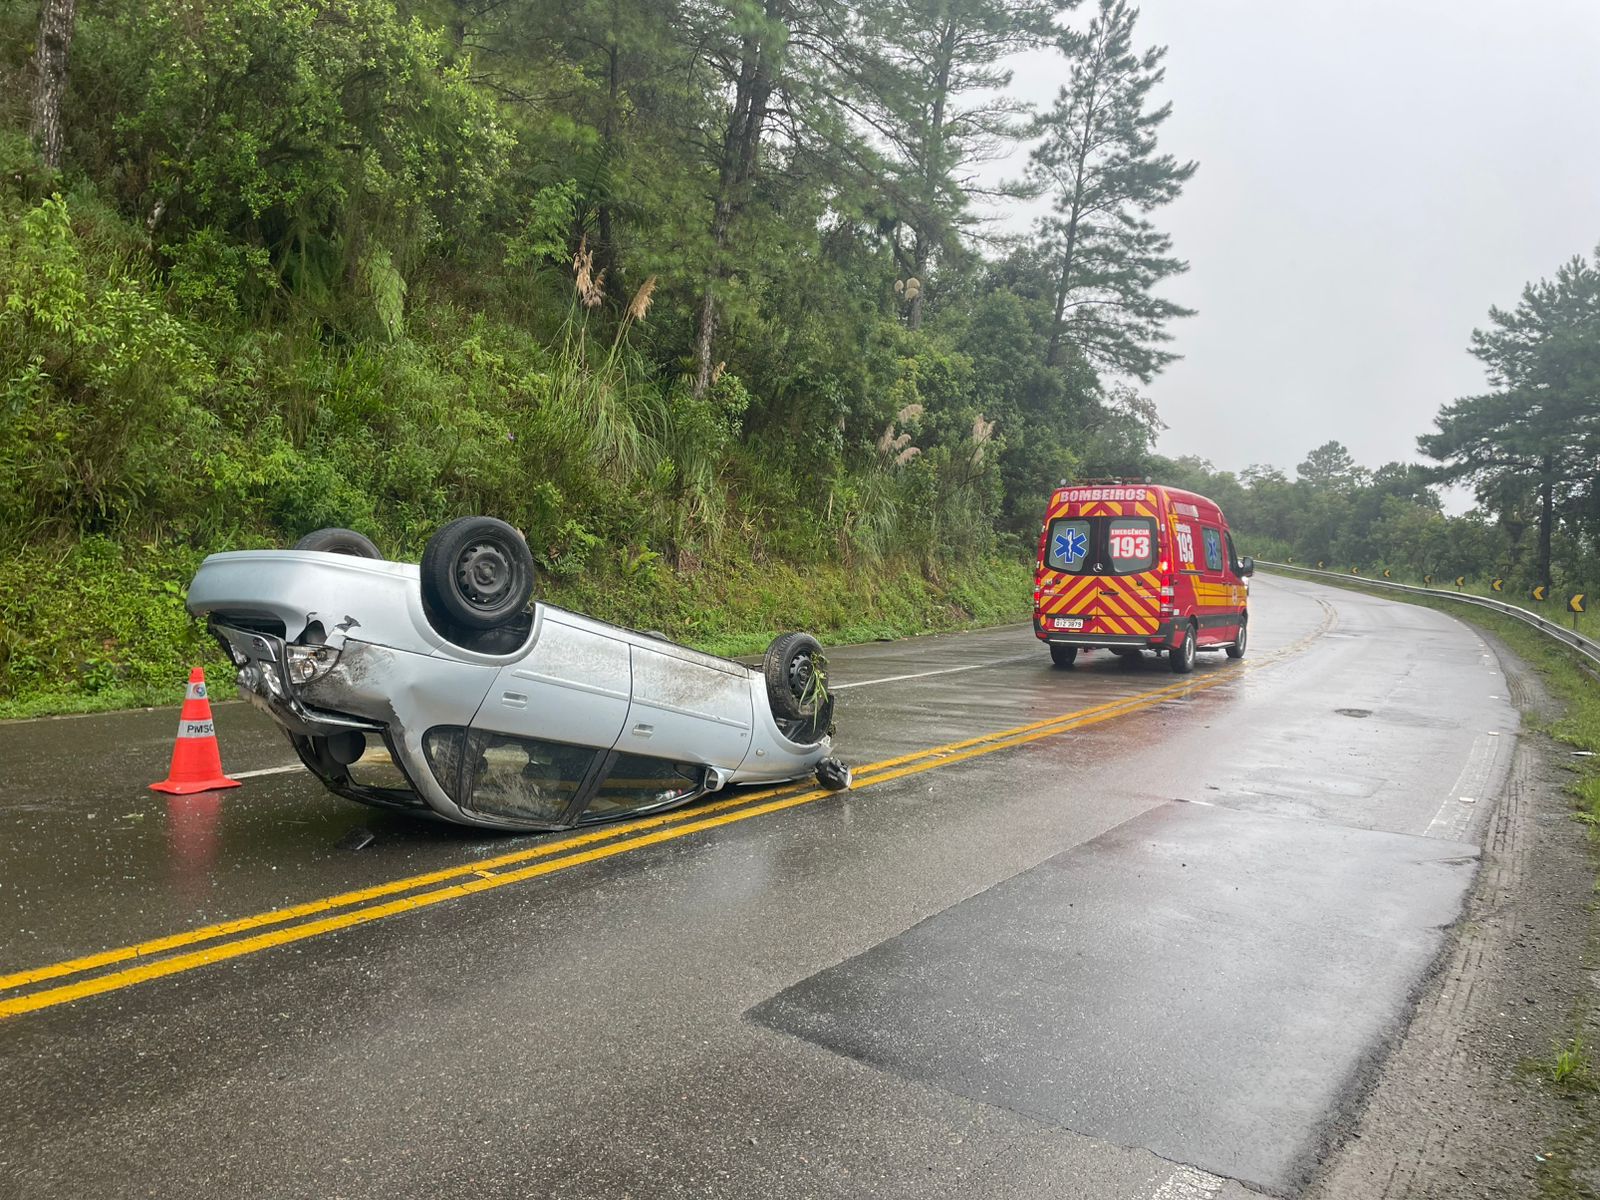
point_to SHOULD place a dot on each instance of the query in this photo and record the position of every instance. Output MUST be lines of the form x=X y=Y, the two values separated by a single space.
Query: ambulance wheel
x=1063 y=656
x=339 y=541
x=1237 y=649
x=1181 y=656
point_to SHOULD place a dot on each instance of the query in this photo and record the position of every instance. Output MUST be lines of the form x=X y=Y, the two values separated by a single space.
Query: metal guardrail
x=1585 y=647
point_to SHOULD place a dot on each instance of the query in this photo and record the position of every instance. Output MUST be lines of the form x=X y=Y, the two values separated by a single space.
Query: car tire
x=1063 y=656
x=796 y=674
x=1237 y=649
x=477 y=573
x=339 y=541
x=1181 y=656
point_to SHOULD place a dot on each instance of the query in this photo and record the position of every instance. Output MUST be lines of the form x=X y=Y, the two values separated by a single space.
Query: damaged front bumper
x=333 y=746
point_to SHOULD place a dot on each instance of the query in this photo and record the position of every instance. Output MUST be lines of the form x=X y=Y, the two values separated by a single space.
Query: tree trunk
x=919 y=257
x=609 y=253
x=741 y=146
x=1063 y=290
x=57 y=19
x=1547 y=513
x=705 y=333
x=932 y=163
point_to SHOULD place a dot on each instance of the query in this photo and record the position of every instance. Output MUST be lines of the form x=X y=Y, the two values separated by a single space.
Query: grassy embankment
x=1571 y=1067
x=103 y=627
x=158 y=408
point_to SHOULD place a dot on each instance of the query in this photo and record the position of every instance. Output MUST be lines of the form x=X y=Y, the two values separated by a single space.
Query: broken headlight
x=307 y=664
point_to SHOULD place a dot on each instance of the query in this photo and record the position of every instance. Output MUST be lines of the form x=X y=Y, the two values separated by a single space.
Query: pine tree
x=934 y=100
x=1099 y=164
x=1535 y=440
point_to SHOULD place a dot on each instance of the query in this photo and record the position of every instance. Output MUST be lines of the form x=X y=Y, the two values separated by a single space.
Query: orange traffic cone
x=196 y=761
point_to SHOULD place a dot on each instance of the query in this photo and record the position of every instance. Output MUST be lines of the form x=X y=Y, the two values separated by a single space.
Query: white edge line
x=267 y=771
x=839 y=687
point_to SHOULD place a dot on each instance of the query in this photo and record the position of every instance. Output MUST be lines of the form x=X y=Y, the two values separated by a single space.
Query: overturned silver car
x=439 y=688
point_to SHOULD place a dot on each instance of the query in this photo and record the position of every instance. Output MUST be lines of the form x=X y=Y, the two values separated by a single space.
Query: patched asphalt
x=1201 y=982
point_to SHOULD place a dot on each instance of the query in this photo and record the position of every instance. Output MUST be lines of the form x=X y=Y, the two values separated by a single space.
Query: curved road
x=1100 y=932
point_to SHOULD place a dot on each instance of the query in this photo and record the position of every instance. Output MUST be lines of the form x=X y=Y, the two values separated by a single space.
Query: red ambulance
x=1132 y=566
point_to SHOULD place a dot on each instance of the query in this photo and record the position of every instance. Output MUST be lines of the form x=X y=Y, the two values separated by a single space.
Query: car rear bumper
x=1162 y=637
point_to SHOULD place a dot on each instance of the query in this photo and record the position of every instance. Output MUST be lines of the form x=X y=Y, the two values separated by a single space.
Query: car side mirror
x=1247 y=566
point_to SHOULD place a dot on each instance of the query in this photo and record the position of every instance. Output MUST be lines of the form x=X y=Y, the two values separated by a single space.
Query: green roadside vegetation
x=697 y=296
x=700 y=297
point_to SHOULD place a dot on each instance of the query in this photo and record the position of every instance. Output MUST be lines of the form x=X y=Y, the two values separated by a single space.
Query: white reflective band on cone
x=195 y=691
x=193 y=729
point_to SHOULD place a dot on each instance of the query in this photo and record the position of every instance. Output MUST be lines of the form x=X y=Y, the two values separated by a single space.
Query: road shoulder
x=1460 y=1108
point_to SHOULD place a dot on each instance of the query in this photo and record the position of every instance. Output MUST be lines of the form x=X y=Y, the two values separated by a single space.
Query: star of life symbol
x=1071 y=546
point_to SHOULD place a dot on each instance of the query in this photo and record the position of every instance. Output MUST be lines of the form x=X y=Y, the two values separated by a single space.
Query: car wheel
x=1237 y=649
x=1063 y=656
x=1181 y=656
x=477 y=573
x=796 y=674
x=797 y=688
x=339 y=541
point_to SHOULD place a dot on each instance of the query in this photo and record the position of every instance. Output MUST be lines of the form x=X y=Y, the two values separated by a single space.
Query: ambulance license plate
x=1066 y=622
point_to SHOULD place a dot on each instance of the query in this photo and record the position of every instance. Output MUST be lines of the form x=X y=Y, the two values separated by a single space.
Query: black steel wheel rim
x=484 y=575
x=800 y=673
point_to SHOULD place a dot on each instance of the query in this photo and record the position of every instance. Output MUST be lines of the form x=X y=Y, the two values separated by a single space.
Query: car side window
x=501 y=775
x=636 y=783
x=1233 y=555
x=1213 y=541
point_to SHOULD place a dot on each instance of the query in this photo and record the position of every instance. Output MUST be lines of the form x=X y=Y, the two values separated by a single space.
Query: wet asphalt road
x=1154 y=955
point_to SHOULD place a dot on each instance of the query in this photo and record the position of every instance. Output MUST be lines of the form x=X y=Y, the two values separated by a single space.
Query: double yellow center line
x=143 y=961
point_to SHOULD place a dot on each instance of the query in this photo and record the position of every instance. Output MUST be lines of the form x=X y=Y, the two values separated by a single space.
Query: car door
x=687 y=706
x=548 y=721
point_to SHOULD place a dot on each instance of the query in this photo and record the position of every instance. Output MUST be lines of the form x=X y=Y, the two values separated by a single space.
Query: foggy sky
x=1374 y=174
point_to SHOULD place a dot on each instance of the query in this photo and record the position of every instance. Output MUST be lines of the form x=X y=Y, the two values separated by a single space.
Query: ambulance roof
x=1101 y=490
